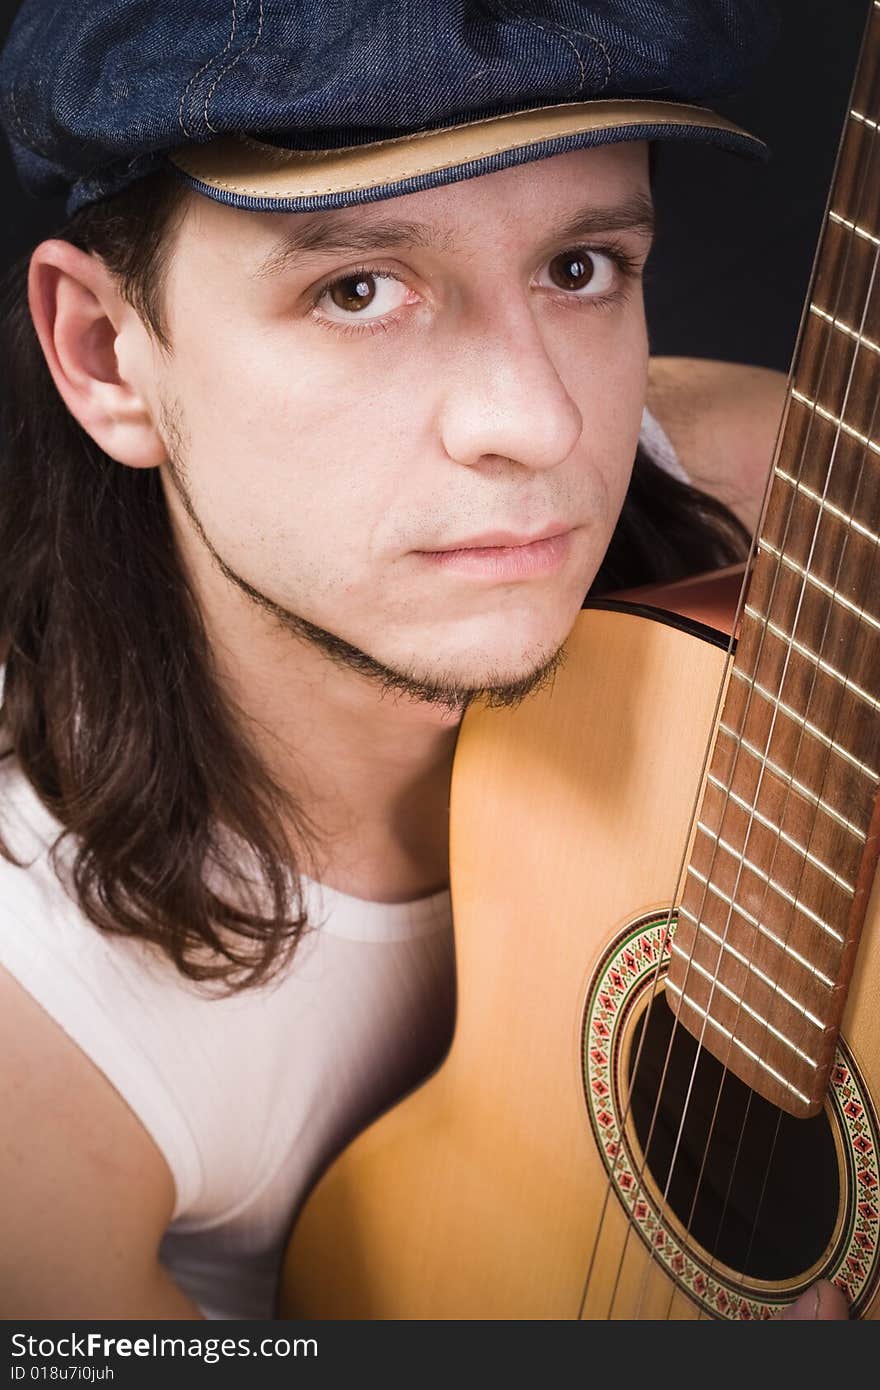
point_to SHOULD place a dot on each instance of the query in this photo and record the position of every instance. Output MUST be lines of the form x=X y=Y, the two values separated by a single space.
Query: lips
x=492 y=540
x=502 y=556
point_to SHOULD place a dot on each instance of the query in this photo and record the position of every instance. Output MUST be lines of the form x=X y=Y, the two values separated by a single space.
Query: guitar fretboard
x=787 y=835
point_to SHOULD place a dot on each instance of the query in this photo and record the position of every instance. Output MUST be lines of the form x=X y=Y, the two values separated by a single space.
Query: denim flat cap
x=296 y=105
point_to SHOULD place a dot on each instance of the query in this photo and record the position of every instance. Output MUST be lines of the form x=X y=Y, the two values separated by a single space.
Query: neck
x=369 y=770
x=786 y=840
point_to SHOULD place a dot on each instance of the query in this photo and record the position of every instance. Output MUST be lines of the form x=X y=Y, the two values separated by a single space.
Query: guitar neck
x=787 y=837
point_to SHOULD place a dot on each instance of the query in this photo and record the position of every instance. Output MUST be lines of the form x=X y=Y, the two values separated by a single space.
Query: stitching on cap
x=563 y=31
x=215 y=59
x=533 y=24
x=317 y=192
x=229 y=66
x=585 y=34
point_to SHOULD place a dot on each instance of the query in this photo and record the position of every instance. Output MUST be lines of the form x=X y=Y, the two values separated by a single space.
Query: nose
x=506 y=399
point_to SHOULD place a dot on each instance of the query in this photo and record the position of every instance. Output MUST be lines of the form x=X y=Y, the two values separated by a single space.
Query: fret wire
x=773 y=882
x=752 y=968
x=761 y=926
x=741 y=1003
x=732 y=1035
x=854 y=227
x=836 y=420
x=692 y=1003
x=755 y=815
x=827 y=506
x=857 y=115
x=811 y=728
x=814 y=657
x=861 y=613
x=800 y=787
x=845 y=328
x=782 y=834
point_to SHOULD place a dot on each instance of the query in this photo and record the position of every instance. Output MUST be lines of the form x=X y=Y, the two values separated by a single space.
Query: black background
x=736 y=239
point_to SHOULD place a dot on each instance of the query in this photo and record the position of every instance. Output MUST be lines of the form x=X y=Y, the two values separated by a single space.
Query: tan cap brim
x=246 y=172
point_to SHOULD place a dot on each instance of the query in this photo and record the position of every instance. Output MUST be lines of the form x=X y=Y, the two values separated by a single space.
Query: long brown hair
x=111 y=702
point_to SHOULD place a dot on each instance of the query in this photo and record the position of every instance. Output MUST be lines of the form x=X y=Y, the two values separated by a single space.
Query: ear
x=101 y=357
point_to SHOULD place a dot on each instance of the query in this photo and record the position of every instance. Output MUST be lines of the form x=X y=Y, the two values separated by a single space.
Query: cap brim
x=249 y=173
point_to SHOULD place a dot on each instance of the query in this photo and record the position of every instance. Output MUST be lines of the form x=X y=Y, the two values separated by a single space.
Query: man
x=348 y=363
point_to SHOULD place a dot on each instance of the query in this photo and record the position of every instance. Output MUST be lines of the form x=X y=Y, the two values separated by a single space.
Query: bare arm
x=722 y=418
x=87 y=1195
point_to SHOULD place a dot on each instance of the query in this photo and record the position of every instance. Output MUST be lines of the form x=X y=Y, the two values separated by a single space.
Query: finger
x=822 y=1302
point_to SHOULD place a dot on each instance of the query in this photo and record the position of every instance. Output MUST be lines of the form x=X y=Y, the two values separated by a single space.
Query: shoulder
x=91 y=1190
x=89 y=1193
x=722 y=419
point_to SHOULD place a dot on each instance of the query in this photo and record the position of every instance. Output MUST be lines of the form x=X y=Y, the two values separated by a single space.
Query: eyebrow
x=316 y=234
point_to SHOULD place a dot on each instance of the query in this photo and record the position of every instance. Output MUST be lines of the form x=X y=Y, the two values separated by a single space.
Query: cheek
x=292 y=454
x=610 y=386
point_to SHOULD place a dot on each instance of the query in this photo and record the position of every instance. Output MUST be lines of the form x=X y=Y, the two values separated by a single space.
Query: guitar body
x=512 y=1184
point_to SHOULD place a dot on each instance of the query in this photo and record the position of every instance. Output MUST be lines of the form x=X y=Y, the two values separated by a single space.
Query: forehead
x=517 y=204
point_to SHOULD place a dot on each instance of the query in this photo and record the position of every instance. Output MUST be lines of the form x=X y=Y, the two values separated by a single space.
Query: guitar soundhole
x=756 y=1188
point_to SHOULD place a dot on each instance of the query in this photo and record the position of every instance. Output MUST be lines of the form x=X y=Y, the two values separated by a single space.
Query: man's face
x=369 y=429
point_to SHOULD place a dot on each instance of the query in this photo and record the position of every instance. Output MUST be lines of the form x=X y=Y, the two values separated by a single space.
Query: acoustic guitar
x=661 y=1098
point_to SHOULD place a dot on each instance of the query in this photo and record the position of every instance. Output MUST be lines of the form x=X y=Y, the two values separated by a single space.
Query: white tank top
x=247 y=1097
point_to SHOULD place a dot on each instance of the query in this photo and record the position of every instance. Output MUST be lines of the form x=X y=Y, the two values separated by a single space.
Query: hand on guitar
x=822 y=1302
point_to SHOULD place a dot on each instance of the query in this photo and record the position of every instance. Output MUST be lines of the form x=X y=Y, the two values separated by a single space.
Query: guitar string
x=861 y=491
x=654 y=992
x=700 y=1039
x=825 y=757
x=612 y=1171
x=647 y=1144
x=873 y=580
x=839 y=694
x=653 y=982
x=780 y=820
x=800 y=735
x=654 y=979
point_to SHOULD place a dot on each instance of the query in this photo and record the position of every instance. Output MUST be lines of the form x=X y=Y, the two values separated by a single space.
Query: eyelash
x=353 y=329
x=628 y=266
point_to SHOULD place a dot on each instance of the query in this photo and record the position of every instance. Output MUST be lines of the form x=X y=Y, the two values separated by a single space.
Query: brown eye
x=364 y=295
x=573 y=270
x=584 y=274
x=353 y=293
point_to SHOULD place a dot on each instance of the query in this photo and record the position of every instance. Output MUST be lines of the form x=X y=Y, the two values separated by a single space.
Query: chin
x=505 y=676
x=509 y=649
